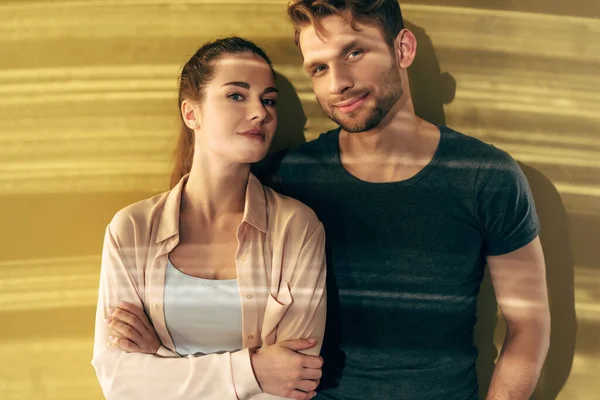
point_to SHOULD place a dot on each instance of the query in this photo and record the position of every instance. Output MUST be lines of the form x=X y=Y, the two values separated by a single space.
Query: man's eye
x=318 y=69
x=269 y=102
x=355 y=53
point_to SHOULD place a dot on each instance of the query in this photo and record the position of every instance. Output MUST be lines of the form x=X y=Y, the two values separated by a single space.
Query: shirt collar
x=255 y=209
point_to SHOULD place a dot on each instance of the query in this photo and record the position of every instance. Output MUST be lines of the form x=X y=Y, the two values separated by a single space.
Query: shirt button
x=250 y=337
x=249 y=296
x=157 y=306
x=243 y=258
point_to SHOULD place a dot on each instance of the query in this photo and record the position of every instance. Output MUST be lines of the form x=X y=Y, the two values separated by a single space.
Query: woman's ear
x=191 y=114
x=405 y=48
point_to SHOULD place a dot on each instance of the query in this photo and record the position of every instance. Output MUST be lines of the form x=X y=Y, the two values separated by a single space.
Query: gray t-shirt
x=406 y=260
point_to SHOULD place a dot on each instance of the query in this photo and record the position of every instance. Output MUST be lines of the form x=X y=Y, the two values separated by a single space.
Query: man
x=413 y=212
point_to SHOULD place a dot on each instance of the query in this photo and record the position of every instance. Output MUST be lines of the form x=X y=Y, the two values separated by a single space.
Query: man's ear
x=405 y=48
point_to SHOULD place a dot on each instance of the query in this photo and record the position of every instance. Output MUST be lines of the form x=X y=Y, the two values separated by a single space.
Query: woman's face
x=237 y=116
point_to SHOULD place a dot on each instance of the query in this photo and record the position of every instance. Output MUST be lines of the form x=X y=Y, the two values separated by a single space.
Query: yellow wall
x=88 y=121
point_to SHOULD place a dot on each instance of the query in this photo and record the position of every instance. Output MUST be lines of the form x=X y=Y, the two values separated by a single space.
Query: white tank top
x=202 y=315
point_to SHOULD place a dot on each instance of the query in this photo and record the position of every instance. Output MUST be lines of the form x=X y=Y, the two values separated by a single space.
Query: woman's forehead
x=245 y=67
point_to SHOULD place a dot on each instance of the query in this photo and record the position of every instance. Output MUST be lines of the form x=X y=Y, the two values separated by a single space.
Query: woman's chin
x=252 y=158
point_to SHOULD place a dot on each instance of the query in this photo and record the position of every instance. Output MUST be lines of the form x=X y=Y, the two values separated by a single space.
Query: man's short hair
x=385 y=14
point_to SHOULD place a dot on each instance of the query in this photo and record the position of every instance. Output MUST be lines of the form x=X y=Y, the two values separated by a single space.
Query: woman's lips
x=254 y=134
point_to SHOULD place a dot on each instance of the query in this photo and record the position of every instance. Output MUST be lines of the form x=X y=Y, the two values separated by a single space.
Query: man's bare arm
x=519 y=280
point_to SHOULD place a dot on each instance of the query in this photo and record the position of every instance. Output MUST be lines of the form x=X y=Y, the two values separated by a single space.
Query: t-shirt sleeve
x=504 y=205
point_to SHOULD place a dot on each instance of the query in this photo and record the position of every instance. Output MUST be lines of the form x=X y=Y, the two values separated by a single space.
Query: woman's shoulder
x=137 y=219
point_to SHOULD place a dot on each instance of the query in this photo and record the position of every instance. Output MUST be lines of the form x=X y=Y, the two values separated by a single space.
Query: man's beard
x=353 y=122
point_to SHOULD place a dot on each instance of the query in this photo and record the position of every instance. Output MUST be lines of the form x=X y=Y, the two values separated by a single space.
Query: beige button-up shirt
x=280 y=265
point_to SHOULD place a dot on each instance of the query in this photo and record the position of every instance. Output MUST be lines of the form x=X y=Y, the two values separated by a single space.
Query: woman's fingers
x=124 y=344
x=312 y=373
x=126 y=317
x=131 y=322
x=137 y=312
x=307 y=385
x=300 y=395
x=125 y=331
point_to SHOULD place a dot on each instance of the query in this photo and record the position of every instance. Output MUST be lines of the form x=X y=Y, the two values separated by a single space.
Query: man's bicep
x=519 y=280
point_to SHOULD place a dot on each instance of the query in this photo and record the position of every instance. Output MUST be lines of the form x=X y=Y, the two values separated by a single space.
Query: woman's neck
x=214 y=190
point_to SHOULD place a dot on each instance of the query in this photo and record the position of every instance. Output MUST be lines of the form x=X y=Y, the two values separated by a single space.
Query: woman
x=220 y=264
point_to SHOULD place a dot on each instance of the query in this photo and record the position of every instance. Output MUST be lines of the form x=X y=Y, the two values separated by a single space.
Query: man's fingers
x=137 y=311
x=124 y=330
x=298 y=344
x=311 y=361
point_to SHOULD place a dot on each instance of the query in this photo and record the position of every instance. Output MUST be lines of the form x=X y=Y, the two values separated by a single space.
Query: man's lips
x=351 y=104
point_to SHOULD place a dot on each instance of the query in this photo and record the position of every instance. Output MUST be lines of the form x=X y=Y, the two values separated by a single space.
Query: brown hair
x=195 y=75
x=386 y=14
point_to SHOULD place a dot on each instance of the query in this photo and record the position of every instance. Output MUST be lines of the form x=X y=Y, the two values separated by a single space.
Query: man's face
x=355 y=76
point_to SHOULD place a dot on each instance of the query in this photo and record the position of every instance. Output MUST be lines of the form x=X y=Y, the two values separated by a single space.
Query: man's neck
x=397 y=149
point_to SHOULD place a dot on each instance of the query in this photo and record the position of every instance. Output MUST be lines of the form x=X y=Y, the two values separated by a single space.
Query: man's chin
x=354 y=129
x=357 y=124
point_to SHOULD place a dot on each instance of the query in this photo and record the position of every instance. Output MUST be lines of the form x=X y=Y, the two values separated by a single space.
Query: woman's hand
x=132 y=329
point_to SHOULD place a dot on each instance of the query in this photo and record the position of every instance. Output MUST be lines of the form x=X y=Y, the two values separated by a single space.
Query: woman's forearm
x=130 y=376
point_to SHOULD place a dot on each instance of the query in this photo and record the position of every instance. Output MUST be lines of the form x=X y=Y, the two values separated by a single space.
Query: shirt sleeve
x=504 y=205
x=133 y=376
x=305 y=317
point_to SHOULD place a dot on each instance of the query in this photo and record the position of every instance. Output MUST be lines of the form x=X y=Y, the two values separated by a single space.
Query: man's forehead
x=336 y=33
x=329 y=24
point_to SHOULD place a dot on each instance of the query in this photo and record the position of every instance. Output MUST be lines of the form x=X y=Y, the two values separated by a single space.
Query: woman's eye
x=269 y=102
x=235 y=96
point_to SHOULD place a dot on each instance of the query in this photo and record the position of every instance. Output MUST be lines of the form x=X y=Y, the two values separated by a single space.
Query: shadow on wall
x=290 y=131
x=292 y=119
x=430 y=88
x=554 y=236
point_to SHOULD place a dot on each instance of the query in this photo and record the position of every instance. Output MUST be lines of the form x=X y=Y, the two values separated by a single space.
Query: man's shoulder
x=493 y=169
x=316 y=149
x=281 y=164
x=462 y=145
